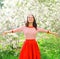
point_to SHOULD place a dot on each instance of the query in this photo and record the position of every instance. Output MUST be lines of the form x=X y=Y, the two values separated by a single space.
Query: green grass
x=49 y=47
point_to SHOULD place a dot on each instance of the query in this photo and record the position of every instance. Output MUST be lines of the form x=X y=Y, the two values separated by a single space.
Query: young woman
x=30 y=49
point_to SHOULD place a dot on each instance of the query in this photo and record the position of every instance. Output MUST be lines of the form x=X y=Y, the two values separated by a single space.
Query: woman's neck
x=30 y=24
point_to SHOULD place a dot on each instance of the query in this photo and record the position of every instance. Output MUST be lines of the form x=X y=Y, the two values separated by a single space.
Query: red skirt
x=30 y=50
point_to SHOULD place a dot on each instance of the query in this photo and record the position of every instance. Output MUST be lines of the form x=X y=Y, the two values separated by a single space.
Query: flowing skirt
x=30 y=50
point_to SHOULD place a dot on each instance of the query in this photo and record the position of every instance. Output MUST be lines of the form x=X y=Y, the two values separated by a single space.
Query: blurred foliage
x=52 y=1
x=50 y=48
x=1 y=3
x=13 y=14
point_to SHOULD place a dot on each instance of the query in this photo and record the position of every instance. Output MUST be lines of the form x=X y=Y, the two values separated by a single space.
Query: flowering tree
x=13 y=13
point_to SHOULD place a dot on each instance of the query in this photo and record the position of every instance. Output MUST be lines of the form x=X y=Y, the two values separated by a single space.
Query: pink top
x=29 y=32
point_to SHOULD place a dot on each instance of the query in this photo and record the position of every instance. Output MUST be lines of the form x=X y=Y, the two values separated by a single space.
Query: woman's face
x=30 y=18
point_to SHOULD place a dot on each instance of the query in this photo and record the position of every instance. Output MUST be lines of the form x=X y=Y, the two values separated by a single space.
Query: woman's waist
x=30 y=39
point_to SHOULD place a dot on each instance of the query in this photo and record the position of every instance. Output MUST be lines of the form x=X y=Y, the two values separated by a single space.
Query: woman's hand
x=6 y=32
x=54 y=33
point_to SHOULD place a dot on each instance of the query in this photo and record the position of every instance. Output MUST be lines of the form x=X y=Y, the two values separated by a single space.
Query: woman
x=30 y=49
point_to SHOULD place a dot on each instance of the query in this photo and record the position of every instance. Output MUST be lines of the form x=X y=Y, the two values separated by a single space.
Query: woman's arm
x=14 y=30
x=42 y=30
x=47 y=31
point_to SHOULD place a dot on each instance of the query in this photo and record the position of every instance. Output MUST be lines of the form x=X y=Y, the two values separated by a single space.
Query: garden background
x=13 y=14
